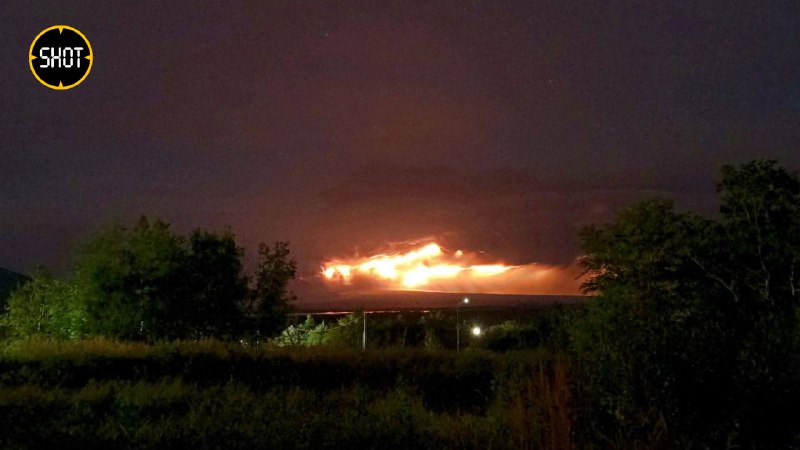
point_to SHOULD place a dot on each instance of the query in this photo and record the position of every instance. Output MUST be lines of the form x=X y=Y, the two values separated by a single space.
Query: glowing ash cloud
x=428 y=266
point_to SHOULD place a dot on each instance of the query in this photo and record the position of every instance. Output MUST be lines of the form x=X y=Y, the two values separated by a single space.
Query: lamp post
x=464 y=301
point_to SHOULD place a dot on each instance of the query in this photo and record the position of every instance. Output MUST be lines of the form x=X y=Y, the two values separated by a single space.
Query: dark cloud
x=506 y=211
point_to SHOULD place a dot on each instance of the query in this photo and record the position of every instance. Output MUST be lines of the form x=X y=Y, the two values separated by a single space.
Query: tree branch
x=718 y=279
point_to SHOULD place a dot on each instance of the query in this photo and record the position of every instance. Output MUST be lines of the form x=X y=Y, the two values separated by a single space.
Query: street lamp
x=464 y=301
x=476 y=330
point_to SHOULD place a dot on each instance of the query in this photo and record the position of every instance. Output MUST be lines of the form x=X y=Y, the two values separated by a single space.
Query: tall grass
x=209 y=394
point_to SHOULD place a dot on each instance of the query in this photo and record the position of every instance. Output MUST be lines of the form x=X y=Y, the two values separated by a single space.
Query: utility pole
x=364 y=333
x=465 y=301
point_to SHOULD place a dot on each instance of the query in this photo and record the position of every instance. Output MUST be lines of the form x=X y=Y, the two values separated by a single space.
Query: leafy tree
x=752 y=254
x=131 y=279
x=634 y=346
x=45 y=307
x=348 y=331
x=269 y=299
x=308 y=333
x=694 y=327
x=548 y=329
x=214 y=285
x=149 y=283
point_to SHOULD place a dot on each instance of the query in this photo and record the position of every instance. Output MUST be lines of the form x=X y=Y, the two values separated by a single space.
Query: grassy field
x=208 y=394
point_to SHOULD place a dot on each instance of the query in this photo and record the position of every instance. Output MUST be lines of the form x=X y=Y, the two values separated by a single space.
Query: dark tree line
x=146 y=282
x=693 y=338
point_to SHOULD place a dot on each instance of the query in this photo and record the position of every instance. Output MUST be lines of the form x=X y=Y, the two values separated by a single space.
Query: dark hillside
x=8 y=282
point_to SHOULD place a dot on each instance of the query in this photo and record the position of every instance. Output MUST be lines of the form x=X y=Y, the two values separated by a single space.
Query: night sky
x=343 y=126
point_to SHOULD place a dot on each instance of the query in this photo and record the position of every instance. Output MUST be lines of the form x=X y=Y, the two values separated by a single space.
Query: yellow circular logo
x=61 y=57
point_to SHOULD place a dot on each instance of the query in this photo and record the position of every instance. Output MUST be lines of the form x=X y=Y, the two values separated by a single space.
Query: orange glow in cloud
x=430 y=267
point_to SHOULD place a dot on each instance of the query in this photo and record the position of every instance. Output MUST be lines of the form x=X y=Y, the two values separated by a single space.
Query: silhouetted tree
x=269 y=299
x=695 y=326
x=149 y=283
x=214 y=284
x=752 y=254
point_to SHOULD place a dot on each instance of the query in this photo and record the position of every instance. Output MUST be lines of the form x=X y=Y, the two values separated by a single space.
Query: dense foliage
x=268 y=302
x=45 y=307
x=149 y=283
x=545 y=326
x=693 y=338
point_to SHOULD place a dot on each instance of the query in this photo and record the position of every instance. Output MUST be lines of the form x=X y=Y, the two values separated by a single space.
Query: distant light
x=466 y=300
x=476 y=330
